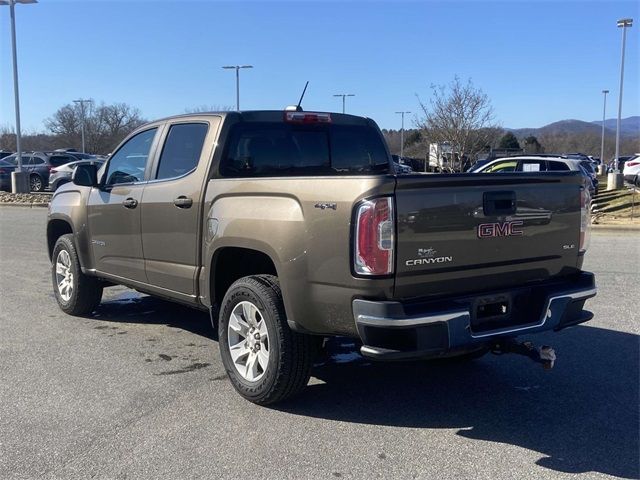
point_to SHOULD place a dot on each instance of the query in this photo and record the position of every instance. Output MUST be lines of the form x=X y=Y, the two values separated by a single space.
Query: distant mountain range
x=629 y=126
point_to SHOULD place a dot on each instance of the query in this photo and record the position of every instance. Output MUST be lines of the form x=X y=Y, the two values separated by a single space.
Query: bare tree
x=66 y=123
x=105 y=125
x=462 y=116
x=209 y=108
x=7 y=138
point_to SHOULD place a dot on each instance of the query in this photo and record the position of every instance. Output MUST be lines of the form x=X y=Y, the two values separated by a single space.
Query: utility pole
x=344 y=95
x=402 y=135
x=237 y=69
x=19 y=178
x=82 y=102
x=604 y=113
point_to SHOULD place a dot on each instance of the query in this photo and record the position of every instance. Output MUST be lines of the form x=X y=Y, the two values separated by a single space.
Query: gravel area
x=25 y=198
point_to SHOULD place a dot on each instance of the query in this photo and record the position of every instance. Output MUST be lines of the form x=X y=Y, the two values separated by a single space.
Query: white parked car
x=541 y=163
x=631 y=170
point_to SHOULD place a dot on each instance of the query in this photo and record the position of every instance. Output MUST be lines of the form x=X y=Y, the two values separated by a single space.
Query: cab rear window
x=280 y=149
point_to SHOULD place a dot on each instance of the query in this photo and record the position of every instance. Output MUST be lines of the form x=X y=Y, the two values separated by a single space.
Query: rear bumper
x=394 y=331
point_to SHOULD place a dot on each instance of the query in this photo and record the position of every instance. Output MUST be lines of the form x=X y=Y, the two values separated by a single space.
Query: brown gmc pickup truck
x=291 y=226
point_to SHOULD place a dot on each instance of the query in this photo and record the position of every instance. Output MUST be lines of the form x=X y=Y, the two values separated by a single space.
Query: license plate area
x=492 y=312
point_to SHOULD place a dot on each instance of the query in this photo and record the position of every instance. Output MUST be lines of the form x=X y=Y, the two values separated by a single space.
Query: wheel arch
x=230 y=263
x=56 y=227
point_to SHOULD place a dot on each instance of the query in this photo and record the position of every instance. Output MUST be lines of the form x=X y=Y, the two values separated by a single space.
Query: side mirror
x=85 y=175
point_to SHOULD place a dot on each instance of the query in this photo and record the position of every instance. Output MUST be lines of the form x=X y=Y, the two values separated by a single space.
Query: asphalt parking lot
x=139 y=391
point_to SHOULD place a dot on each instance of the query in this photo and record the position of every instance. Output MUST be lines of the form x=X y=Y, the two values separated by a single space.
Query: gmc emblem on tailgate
x=501 y=229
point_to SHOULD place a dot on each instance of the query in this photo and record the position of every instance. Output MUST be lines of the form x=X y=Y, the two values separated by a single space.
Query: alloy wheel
x=248 y=341
x=35 y=183
x=64 y=275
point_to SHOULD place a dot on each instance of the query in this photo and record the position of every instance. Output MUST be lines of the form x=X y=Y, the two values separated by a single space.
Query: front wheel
x=265 y=360
x=76 y=293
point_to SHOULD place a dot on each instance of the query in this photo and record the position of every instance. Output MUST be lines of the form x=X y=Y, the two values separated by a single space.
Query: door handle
x=183 y=202
x=130 y=203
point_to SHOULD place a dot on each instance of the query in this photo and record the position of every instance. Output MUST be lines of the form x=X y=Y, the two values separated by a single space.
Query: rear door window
x=182 y=149
x=280 y=149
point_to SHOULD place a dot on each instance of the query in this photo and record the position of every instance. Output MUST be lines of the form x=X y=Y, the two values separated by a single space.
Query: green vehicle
x=291 y=226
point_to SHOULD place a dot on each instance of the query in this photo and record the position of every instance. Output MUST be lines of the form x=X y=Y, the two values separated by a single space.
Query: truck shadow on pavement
x=582 y=416
x=132 y=307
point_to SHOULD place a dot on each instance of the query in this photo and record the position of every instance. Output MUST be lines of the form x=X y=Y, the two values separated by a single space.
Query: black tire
x=86 y=292
x=36 y=183
x=291 y=354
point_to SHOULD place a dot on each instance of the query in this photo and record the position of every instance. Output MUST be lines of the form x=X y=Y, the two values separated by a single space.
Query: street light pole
x=237 y=69
x=614 y=179
x=402 y=135
x=623 y=23
x=82 y=102
x=344 y=95
x=19 y=180
x=604 y=112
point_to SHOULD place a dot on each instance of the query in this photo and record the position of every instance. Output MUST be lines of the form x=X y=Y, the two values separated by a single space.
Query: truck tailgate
x=479 y=232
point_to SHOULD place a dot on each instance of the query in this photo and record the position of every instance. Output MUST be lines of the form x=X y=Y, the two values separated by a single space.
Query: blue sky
x=538 y=61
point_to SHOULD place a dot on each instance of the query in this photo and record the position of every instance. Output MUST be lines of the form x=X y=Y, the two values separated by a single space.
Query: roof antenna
x=298 y=107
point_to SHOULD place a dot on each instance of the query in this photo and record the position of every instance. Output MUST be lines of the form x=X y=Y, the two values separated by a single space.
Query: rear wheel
x=265 y=360
x=36 y=184
x=76 y=293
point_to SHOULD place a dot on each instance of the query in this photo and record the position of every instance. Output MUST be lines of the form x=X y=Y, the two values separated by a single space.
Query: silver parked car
x=62 y=174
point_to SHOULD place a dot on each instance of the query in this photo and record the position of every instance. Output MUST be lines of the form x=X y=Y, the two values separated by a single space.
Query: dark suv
x=39 y=166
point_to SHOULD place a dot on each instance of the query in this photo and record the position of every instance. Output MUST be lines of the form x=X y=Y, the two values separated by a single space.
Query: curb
x=616 y=228
x=16 y=204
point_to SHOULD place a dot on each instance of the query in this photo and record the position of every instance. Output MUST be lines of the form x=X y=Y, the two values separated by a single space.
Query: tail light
x=52 y=170
x=585 y=219
x=632 y=164
x=374 y=242
x=307 y=117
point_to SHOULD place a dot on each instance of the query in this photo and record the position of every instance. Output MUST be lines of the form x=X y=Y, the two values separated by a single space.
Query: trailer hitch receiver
x=544 y=355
